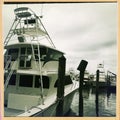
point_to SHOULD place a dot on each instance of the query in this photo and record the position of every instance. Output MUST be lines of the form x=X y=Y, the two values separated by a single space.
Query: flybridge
x=31 y=69
x=27 y=24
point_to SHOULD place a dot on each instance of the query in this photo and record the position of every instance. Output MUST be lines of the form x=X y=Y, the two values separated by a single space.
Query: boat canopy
x=22 y=12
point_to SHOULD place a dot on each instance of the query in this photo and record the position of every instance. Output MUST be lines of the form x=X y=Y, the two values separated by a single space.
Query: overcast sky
x=81 y=30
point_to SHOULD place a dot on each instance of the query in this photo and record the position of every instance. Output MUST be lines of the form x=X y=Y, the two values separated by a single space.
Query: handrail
x=8 y=61
x=9 y=76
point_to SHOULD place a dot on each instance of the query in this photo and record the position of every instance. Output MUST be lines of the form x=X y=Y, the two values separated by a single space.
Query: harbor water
x=106 y=104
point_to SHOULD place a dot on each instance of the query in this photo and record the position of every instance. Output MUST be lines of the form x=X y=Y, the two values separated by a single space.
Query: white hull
x=31 y=69
x=49 y=106
x=51 y=110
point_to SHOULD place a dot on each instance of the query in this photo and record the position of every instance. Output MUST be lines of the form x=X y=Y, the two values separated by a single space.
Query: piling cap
x=82 y=65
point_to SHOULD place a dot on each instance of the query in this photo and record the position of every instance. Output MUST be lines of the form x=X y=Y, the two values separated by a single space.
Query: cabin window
x=47 y=54
x=45 y=80
x=30 y=21
x=29 y=51
x=23 y=50
x=12 y=80
x=54 y=55
x=25 y=58
x=43 y=52
x=67 y=81
x=26 y=51
x=22 y=61
x=26 y=81
x=13 y=53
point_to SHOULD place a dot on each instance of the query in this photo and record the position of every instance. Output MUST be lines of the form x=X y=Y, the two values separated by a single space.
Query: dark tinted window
x=26 y=80
x=14 y=53
x=25 y=57
x=12 y=80
x=22 y=61
x=43 y=53
x=45 y=80
x=23 y=51
x=29 y=51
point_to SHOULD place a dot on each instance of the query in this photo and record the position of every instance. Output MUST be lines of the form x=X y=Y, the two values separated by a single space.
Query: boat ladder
x=36 y=56
x=9 y=76
x=7 y=61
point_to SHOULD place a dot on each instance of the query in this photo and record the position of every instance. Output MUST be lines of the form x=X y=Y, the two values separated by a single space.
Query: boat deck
x=12 y=112
x=50 y=100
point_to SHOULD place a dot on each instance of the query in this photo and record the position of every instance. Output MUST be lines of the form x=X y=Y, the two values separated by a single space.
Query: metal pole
x=60 y=86
x=81 y=68
x=97 y=93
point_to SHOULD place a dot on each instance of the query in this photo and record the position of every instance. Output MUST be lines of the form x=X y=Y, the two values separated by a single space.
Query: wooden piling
x=108 y=80
x=81 y=68
x=60 y=86
x=97 y=93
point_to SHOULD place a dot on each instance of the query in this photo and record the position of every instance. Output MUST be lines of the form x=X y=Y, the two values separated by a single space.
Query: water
x=106 y=106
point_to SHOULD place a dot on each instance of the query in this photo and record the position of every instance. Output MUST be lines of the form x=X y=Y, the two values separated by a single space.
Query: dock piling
x=60 y=86
x=81 y=68
x=97 y=93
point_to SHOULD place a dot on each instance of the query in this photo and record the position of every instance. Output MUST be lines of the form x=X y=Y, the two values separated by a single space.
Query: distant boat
x=102 y=76
x=87 y=78
x=86 y=75
x=111 y=79
x=31 y=69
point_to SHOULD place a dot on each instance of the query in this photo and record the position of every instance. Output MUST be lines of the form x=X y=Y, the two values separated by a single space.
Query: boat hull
x=100 y=84
x=51 y=110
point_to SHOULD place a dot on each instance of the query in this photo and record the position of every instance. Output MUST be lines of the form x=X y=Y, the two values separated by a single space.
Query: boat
x=102 y=76
x=31 y=69
x=86 y=75
x=111 y=80
x=86 y=81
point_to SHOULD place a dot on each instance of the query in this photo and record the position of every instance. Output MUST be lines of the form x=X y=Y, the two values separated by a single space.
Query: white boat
x=86 y=78
x=111 y=78
x=31 y=69
x=86 y=75
x=102 y=76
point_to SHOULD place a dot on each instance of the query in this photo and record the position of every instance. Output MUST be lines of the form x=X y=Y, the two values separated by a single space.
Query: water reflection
x=106 y=106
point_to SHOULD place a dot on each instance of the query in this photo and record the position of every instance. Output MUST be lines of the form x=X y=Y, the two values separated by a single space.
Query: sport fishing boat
x=31 y=69
x=102 y=76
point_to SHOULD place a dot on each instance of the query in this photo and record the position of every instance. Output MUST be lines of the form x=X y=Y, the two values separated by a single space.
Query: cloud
x=82 y=30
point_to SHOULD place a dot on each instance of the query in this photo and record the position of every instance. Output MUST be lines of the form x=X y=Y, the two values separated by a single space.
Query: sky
x=83 y=31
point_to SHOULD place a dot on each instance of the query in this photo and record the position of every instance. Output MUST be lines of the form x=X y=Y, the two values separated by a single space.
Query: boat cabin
x=25 y=75
x=30 y=68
